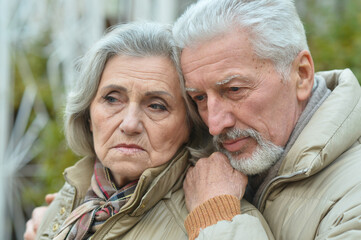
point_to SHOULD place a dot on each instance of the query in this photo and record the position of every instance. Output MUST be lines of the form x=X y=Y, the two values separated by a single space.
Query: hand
x=38 y=213
x=211 y=177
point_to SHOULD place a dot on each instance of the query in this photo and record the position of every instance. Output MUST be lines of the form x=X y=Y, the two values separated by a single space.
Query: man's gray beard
x=263 y=158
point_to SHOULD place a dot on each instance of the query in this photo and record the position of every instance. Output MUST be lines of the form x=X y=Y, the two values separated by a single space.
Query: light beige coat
x=156 y=210
x=317 y=191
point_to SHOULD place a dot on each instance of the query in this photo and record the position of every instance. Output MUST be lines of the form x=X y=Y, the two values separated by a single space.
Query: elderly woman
x=128 y=114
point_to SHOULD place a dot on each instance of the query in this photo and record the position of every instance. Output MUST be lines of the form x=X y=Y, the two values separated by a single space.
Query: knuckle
x=29 y=224
x=201 y=162
x=219 y=156
x=190 y=170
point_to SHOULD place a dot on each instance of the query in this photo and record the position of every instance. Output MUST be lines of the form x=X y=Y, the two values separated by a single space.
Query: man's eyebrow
x=192 y=90
x=223 y=82
x=227 y=80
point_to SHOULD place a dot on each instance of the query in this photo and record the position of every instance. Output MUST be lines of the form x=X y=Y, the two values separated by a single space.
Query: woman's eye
x=110 y=99
x=158 y=106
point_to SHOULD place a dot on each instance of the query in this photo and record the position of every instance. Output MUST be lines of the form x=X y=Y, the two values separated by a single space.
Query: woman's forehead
x=146 y=74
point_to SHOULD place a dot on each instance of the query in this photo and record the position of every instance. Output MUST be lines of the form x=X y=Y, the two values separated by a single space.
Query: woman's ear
x=90 y=125
x=305 y=75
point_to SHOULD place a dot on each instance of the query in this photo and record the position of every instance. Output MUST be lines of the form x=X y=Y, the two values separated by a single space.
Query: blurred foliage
x=54 y=155
x=334 y=35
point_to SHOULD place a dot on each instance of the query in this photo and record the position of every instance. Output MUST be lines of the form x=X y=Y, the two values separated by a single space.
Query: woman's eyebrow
x=157 y=93
x=116 y=87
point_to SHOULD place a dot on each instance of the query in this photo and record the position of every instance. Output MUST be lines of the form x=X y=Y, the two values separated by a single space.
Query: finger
x=200 y=162
x=220 y=157
x=189 y=178
x=29 y=235
x=189 y=171
x=29 y=231
x=50 y=197
x=222 y=161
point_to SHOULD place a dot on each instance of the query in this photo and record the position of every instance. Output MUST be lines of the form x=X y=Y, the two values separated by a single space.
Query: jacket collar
x=333 y=128
x=153 y=184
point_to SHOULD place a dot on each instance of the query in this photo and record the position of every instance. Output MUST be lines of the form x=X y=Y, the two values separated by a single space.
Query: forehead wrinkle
x=154 y=73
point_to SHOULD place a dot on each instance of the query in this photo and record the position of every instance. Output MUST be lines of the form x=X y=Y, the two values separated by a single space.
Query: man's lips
x=235 y=145
x=128 y=148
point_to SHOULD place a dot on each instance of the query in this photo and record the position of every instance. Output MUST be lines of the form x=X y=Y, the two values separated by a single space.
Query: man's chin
x=252 y=158
x=251 y=164
x=239 y=156
x=248 y=166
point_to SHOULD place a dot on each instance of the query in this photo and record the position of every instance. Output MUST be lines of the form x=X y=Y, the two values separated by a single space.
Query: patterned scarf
x=102 y=201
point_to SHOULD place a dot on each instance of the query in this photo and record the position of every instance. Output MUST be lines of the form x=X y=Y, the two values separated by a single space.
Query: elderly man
x=295 y=134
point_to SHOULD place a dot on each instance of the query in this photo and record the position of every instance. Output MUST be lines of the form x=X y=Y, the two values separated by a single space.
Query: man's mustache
x=235 y=133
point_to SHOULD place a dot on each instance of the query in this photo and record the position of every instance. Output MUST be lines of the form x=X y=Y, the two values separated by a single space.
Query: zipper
x=280 y=179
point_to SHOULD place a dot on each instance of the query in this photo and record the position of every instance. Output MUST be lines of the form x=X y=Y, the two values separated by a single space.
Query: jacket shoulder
x=326 y=204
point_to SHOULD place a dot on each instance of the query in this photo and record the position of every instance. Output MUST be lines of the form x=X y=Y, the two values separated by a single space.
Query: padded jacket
x=317 y=191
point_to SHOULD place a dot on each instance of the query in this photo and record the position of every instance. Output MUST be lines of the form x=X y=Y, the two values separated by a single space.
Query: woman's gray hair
x=273 y=26
x=133 y=39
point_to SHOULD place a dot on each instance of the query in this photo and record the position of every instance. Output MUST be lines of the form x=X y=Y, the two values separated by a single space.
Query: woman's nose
x=131 y=123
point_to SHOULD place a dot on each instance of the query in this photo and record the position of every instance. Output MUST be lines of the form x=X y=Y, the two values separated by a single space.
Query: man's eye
x=234 y=89
x=158 y=107
x=236 y=92
x=199 y=98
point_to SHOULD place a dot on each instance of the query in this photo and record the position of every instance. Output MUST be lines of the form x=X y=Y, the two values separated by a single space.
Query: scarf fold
x=102 y=201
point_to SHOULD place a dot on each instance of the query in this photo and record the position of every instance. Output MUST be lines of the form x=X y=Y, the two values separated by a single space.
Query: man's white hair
x=273 y=27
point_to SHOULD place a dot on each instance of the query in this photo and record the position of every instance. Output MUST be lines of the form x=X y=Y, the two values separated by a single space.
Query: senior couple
x=287 y=142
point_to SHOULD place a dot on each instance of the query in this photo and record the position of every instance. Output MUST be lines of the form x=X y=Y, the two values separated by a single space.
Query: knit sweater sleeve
x=223 y=207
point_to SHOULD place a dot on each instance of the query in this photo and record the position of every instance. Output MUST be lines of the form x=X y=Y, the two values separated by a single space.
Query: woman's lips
x=235 y=145
x=129 y=148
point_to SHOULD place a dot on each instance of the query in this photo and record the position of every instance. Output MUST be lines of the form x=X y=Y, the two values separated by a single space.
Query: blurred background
x=40 y=40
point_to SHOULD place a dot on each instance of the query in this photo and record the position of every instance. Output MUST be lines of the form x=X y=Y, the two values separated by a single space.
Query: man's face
x=236 y=92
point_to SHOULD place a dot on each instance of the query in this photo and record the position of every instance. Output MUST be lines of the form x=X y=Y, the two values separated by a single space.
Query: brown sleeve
x=223 y=207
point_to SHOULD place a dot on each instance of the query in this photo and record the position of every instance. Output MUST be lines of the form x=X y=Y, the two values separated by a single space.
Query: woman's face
x=138 y=117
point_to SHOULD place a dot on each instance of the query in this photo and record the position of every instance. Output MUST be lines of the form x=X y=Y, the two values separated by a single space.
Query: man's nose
x=220 y=115
x=131 y=123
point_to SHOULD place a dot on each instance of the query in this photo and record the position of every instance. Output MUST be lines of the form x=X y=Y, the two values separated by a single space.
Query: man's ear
x=304 y=70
